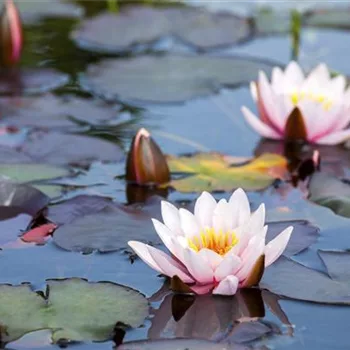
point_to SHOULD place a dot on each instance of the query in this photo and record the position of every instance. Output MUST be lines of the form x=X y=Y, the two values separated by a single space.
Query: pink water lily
x=322 y=103
x=217 y=248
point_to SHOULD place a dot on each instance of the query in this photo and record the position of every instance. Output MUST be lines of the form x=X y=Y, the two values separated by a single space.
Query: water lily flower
x=146 y=164
x=11 y=38
x=218 y=249
x=315 y=108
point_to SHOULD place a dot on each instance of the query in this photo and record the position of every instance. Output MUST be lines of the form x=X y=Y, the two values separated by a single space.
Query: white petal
x=254 y=90
x=240 y=207
x=228 y=286
x=337 y=87
x=198 y=267
x=141 y=250
x=276 y=247
x=211 y=257
x=189 y=224
x=260 y=127
x=317 y=79
x=222 y=217
x=171 y=218
x=228 y=266
x=277 y=80
x=293 y=75
x=204 y=208
x=334 y=138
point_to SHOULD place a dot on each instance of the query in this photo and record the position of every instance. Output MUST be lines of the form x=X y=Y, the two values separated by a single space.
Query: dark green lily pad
x=168 y=78
x=33 y=10
x=330 y=192
x=179 y=344
x=333 y=18
x=109 y=229
x=200 y=28
x=61 y=149
x=30 y=81
x=74 y=309
x=49 y=111
x=290 y=279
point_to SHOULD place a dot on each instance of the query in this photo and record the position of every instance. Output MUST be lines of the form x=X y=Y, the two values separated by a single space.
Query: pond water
x=85 y=84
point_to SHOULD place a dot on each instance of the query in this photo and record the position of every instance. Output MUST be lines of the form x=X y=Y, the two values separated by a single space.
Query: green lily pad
x=216 y=172
x=333 y=18
x=73 y=309
x=168 y=78
x=330 y=192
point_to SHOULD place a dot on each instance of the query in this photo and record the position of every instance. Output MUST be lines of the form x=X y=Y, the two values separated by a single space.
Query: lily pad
x=168 y=78
x=333 y=18
x=9 y=156
x=30 y=81
x=50 y=111
x=74 y=309
x=60 y=149
x=330 y=192
x=27 y=198
x=290 y=279
x=33 y=10
x=304 y=235
x=179 y=344
x=216 y=172
x=108 y=230
x=200 y=28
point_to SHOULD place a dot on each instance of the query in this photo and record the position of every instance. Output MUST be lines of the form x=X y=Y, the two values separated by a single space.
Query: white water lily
x=217 y=248
x=323 y=105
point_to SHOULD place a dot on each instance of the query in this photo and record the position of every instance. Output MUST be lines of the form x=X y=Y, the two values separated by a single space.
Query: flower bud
x=11 y=38
x=295 y=128
x=146 y=164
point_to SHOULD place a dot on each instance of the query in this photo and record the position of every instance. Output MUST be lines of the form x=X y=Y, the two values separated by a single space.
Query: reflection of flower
x=219 y=248
x=315 y=108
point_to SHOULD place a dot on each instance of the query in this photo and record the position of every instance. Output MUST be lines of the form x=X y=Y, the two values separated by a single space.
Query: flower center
x=299 y=96
x=220 y=242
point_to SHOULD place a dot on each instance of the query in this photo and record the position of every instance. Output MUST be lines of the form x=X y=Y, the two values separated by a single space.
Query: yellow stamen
x=220 y=242
x=298 y=96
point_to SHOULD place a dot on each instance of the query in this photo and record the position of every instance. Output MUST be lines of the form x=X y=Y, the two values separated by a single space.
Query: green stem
x=295 y=32
x=113 y=6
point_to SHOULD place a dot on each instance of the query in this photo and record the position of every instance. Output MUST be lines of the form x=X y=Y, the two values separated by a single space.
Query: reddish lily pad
x=216 y=172
x=199 y=28
x=168 y=78
x=39 y=234
x=50 y=111
x=30 y=81
x=109 y=229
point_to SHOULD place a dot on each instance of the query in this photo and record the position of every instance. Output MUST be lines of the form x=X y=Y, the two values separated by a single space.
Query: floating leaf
x=290 y=279
x=57 y=148
x=304 y=235
x=168 y=78
x=50 y=111
x=178 y=344
x=108 y=230
x=330 y=192
x=200 y=28
x=39 y=234
x=333 y=18
x=337 y=264
x=215 y=172
x=30 y=81
x=74 y=309
x=32 y=11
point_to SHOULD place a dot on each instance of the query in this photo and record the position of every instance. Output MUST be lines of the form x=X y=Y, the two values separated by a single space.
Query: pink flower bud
x=11 y=38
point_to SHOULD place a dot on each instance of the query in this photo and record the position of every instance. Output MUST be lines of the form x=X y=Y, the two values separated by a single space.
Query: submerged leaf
x=168 y=78
x=75 y=310
x=214 y=172
x=330 y=192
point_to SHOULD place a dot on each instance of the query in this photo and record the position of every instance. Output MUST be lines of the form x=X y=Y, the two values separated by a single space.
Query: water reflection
x=237 y=319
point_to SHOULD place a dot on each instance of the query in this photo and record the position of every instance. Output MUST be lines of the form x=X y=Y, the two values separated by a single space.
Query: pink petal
x=334 y=138
x=276 y=247
x=204 y=208
x=337 y=87
x=202 y=289
x=222 y=216
x=198 y=267
x=228 y=266
x=39 y=234
x=228 y=286
x=189 y=224
x=240 y=208
x=260 y=127
x=293 y=75
x=343 y=120
x=277 y=80
x=318 y=78
x=211 y=257
x=171 y=218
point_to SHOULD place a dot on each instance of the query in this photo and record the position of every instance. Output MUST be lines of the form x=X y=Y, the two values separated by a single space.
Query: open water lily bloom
x=218 y=249
x=315 y=108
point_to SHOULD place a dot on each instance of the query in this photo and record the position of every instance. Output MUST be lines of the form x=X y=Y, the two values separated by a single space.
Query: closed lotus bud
x=11 y=38
x=146 y=164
